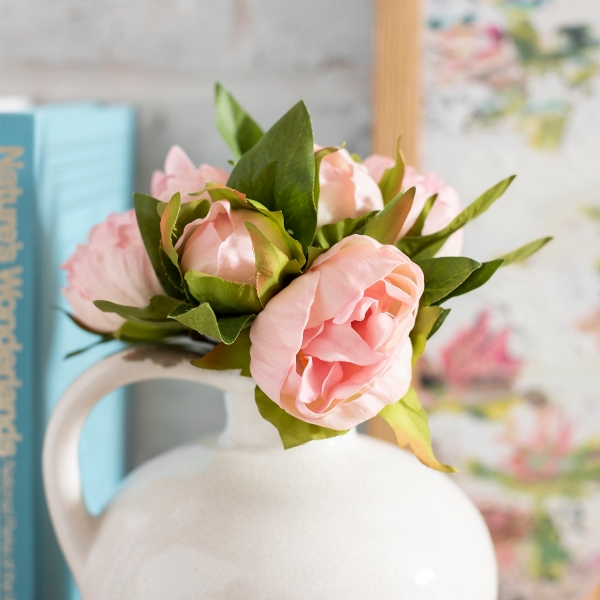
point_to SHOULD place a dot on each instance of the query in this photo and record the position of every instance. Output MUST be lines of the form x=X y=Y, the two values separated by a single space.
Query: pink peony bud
x=446 y=207
x=220 y=244
x=182 y=176
x=114 y=266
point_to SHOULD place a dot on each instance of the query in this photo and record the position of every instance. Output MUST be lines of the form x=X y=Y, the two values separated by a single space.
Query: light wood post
x=397 y=98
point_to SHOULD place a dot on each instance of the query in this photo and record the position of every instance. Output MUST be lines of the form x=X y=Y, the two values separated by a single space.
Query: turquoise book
x=63 y=168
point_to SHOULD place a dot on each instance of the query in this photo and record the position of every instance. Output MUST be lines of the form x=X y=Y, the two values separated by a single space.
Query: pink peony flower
x=332 y=348
x=220 y=244
x=182 y=176
x=446 y=207
x=347 y=190
x=114 y=266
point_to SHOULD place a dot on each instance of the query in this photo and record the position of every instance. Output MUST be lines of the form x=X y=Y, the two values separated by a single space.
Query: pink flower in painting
x=182 y=176
x=446 y=207
x=220 y=244
x=332 y=348
x=114 y=266
x=478 y=355
x=347 y=190
x=541 y=454
x=591 y=325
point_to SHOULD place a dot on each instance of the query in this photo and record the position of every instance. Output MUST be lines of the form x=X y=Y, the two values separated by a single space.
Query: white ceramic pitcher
x=239 y=518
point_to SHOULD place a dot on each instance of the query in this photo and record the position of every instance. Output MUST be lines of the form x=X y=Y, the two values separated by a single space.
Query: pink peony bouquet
x=316 y=274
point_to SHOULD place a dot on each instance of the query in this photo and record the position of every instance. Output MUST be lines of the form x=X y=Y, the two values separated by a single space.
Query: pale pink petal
x=377 y=164
x=178 y=161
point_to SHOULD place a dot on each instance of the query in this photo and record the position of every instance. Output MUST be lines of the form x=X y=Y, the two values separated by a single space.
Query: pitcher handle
x=74 y=525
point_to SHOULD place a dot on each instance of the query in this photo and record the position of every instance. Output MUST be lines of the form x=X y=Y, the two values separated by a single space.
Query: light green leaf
x=236 y=127
x=144 y=332
x=391 y=181
x=227 y=298
x=273 y=267
x=331 y=234
x=386 y=226
x=218 y=191
x=427 y=246
x=524 y=252
x=279 y=172
x=293 y=432
x=156 y=313
x=203 y=320
x=148 y=218
x=426 y=319
x=168 y=224
x=417 y=228
x=224 y=357
x=313 y=254
x=475 y=280
x=439 y=322
x=319 y=156
x=409 y=422
x=443 y=275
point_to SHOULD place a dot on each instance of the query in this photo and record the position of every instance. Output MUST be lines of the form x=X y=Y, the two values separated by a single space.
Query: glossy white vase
x=239 y=518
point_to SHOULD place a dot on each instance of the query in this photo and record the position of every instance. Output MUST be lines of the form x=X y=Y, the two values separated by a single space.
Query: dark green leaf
x=292 y=431
x=420 y=247
x=279 y=172
x=224 y=357
x=227 y=298
x=386 y=226
x=444 y=275
x=145 y=332
x=439 y=322
x=148 y=218
x=156 y=314
x=331 y=234
x=236 y=127
x=391 y=181
x=523 y=252
x=409 y=422
x=417 y=228
x=476 y=279
x=203 y=320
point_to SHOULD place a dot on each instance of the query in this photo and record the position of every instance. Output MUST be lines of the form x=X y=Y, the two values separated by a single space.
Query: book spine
x=18 y=456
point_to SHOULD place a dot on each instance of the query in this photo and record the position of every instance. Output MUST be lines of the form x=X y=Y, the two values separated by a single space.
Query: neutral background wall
x=164 y=57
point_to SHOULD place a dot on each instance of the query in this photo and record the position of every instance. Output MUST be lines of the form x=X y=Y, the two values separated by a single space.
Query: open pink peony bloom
x=347 y=190
x=220 y=244
x=332 y=348
x=446 y=207
x=114 y=266
x=182 y=176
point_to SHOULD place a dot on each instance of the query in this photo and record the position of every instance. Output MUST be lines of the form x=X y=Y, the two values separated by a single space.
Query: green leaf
x=227 y=298
x=224 y=357
x=236 y=127
x=134 y=332
x=439 y=322
x=168 y=224
x=391 y=181
x=188 y=212
x=313 y=254
x=319 y=156
x=155 y=314
x=218 y=191
x=443 y=275
x=476 y=279
x=409 y=422
x=148 y=218
x=273 y=267
x=203 y=320
x=331 y=234
x=386 y=226
x=292 y=431
x=420 y=247
x=426 y=319
x=417 y=228
x=524 y=251
x=279 y=172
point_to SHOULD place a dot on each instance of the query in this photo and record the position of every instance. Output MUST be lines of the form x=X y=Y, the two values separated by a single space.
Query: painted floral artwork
x=514 y=391
x=523 y=73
